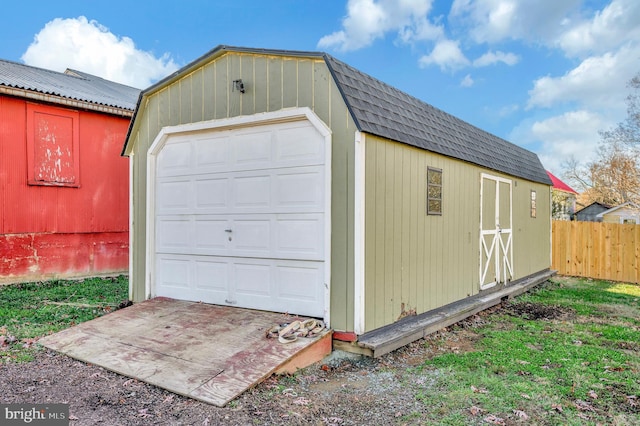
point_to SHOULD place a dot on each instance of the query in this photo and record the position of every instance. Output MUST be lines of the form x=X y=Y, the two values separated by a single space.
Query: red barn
x=64 y=202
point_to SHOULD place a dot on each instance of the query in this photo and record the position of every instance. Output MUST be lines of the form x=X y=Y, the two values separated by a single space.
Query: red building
x=64 y=200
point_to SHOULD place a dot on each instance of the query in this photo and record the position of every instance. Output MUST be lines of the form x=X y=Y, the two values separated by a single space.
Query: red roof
x=560 y=185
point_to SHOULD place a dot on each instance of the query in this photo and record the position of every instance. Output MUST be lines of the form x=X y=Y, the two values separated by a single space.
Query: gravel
x=342 y=390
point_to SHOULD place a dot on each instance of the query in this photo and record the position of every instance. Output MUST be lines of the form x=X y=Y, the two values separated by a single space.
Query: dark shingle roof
x=72 y=84
x=385 y=111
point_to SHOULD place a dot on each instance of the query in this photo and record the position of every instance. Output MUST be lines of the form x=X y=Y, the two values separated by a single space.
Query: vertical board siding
x=53 y=231
x=271 y=83
x=608 y=251
x=531 y=235
x=415 y=262
x=197 y=92
x=99 y=204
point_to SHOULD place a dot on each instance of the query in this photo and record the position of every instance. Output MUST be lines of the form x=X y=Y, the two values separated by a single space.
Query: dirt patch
x=342 y=391
x=538 y=311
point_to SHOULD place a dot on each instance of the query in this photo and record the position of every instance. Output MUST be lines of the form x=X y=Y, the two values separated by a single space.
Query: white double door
x=496 y=232
x=240 y=218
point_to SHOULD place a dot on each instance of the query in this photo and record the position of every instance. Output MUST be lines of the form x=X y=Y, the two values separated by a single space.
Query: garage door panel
x=251 y=238
x=211 y=235
x=300 y=189
x=298 y=282
x=212 y=194
x=281 y=285
x=252 y=149
x=252 y=279
x=298 y=144
x=300 y=237
x=175 y=159
x=212 y=152
x=251 y=192
x=173 y=234
x=173 y=196
x=173 y=273
x=212 y=275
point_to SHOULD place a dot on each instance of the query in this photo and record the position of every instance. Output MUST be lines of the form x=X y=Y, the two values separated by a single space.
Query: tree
x=614 y=177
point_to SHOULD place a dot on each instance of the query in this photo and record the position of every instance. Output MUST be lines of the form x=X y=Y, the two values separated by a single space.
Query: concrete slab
x=206 y=352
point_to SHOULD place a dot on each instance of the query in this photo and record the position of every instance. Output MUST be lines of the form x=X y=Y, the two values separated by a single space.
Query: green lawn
x=567 y=353
x=32 y=310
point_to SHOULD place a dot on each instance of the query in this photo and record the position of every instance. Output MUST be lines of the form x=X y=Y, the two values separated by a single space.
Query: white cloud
x=491 y=58
x=447 y=55
x=598 y=82
x=573 y=134
x=611 y=27
x=508 y=110
x=89 y=47
x=368 y=20
x=467 y=81
x=497 y=20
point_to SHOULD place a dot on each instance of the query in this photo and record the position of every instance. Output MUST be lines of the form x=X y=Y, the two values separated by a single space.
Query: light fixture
x=238 y=85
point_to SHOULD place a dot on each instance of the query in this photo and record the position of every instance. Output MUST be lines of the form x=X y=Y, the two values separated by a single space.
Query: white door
x=240 y=218
x=496 y=233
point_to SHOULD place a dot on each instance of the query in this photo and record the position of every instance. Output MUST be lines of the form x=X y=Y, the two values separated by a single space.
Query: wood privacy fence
x=607 y=251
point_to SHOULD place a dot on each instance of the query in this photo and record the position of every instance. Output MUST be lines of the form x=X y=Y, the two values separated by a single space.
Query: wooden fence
x=607 y=251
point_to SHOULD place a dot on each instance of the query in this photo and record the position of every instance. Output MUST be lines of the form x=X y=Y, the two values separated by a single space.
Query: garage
x=290 y=181
x=239 y=213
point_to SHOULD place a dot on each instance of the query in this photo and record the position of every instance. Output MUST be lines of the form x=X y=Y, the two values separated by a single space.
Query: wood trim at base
x=345 y=336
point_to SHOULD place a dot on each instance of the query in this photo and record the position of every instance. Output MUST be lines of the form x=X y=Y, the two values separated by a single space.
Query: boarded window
x=52 y=146
x=434 y=191
x=533 y=203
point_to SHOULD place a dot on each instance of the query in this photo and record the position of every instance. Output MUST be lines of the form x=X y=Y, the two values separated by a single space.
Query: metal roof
x=382 y=110
x=72 y=85
x=560 y=185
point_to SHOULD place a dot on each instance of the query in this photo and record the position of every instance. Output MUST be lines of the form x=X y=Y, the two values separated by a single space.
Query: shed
x=628 y=213
x=64 y=200
x=591 y=212
x=292 y=182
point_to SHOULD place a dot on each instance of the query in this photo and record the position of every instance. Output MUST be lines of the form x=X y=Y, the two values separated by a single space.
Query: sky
x=547 y=75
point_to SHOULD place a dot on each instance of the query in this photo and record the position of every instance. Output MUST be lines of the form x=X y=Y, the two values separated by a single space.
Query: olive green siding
x=416 y=262
x=271 y=83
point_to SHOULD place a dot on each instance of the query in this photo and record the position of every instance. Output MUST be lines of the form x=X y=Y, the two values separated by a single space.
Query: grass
x=566 y=353
x=32 y=310
x=583 y=367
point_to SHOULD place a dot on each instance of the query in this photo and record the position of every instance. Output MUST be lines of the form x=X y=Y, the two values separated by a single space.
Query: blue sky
x=544 y=74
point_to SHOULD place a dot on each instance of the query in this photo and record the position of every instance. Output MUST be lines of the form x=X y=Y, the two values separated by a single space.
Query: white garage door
x=240 y=218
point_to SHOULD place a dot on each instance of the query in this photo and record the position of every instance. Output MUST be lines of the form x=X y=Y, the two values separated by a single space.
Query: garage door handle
x=228 y=230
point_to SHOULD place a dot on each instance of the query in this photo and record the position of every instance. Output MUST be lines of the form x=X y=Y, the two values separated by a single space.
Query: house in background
x=563 y=199
x=590 y=213
x=291 y=182
x=63 y=185
x=627 y=213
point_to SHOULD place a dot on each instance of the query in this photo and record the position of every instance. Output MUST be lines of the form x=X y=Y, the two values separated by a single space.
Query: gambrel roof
x=66 y=88
x=382 y=110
